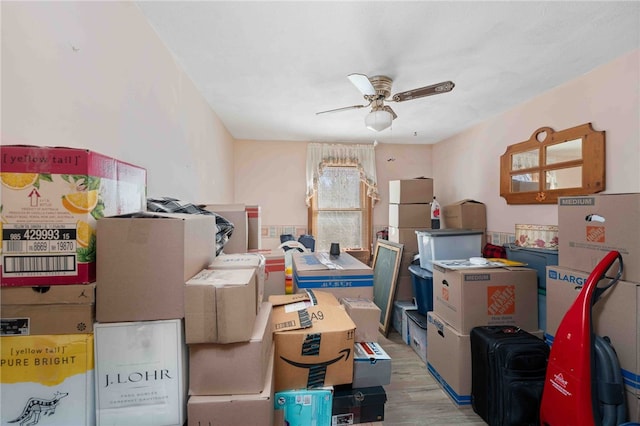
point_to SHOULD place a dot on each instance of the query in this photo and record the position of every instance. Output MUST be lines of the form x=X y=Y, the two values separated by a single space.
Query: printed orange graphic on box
x=445 y=294
x=595 y=234
x=501 y=300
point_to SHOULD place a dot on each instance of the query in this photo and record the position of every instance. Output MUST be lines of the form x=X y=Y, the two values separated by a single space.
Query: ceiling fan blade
x=434 y=89
x=362 y=83
x=392 y=112
x=342 y=109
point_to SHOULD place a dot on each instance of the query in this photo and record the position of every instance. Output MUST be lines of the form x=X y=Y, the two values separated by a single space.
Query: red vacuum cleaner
x=574 y=389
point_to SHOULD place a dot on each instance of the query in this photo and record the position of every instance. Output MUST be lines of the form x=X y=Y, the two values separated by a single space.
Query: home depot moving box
x=47 y=379
x=235 y=409
x=449 y=358
x=141 y=373
x=343 y=275
x=591 y=226
x=233 y=368
x=616 y=314
x=314 y=339
x=144 y=260
x=57 y=309
x=220 y=306
x=51 y=199
x=465 y=298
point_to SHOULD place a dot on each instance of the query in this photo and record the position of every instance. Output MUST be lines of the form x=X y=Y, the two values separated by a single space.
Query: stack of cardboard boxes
x=51 y=201
x=588 y=228
x=409 y=210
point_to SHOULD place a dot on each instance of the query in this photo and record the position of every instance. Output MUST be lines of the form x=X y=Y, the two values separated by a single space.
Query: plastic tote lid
x=448 y=232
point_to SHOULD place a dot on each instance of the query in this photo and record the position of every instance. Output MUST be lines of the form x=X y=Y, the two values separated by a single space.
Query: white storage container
x=448 y=244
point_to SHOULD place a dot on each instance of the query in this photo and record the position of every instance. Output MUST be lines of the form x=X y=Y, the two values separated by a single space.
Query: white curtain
x=321 y=155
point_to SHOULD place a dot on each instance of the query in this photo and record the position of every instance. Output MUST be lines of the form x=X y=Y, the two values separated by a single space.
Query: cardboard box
x=56 y=370
x=591 y=226
x=363 y=255
x=141 y=373
x=313 y=335
x=236 y=214
x=58 y=309
x=51 y=199
x=234 y=368
x=417 y=329
x=486 y=296
x=242 y=409
x=254 y=225
x=273 y=272
x=357 y=405
x=449 y=359
x=344 y=275
x=616 y=315
x=371 y=365
x=633 y=406
x=220 y=306
x=406 y=237
x=410 y=215
x=303 y=407
x=144 y=260
x=255 y=261
x=465 y=214
x=400 y=320
x=366 y=316
x=411 y=191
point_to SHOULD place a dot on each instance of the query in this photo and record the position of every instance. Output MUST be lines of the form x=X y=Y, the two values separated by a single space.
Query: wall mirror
x=553 y=164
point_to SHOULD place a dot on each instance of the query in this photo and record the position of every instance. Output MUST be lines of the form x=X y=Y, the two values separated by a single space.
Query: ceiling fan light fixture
x=378 y=120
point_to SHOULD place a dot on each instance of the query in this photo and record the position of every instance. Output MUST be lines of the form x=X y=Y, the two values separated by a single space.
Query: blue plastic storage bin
x=422 y=281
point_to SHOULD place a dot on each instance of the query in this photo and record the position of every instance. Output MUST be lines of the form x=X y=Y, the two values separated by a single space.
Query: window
x=340 y=210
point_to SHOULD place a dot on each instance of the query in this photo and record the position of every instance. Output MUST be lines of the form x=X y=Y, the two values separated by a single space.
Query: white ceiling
x=267 y=67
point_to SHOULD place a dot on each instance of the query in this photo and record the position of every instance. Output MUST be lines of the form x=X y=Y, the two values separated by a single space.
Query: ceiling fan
x=377 y=90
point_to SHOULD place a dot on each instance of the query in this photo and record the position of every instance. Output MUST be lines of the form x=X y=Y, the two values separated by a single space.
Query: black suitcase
x=508 y=367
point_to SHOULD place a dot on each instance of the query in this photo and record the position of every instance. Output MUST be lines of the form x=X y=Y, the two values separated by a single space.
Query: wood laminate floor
x=414 y=397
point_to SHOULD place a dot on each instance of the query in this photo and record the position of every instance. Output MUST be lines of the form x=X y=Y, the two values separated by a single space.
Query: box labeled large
x=489 y=296
x=410 y=215
x=343 y=275
x=371 y=365
x=144 y=260
x=591 y=226
x=220 y=306
x=411 y=191
x=47 y=379
x=233 y=368
x=234 y=409
x=366 y=315
x=615 y=314
x=57 y=309
x=465 y=214
x=357 y=405
x=314 y=339
x=141 y=373
x=448 y=244
x=51 y=199
x=254 y=261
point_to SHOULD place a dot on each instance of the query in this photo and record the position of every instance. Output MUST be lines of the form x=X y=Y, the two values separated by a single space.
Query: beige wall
x=272 y=175
x=467 y=165
x=95 y=75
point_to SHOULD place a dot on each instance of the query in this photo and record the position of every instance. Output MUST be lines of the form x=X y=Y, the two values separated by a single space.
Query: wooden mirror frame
x=387 y=257
x=592 y=163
